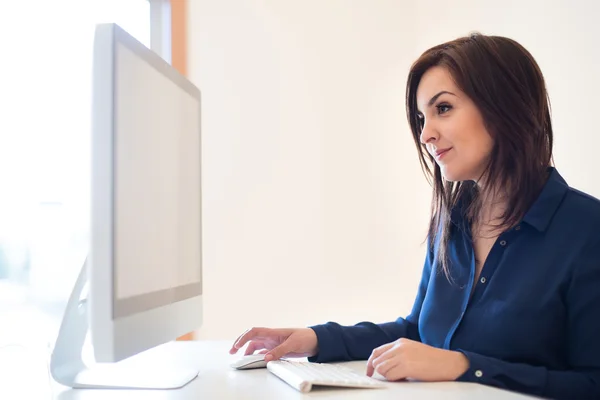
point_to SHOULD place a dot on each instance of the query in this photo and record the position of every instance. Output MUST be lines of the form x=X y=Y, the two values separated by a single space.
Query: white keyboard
x=302 y=375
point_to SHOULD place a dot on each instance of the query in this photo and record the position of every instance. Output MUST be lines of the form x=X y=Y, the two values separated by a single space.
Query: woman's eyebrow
x=434 y=98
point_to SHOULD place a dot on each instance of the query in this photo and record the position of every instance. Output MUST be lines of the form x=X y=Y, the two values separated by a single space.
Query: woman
x=510 y=291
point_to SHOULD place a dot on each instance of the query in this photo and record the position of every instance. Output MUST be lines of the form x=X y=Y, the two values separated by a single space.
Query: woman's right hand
x=276 y=343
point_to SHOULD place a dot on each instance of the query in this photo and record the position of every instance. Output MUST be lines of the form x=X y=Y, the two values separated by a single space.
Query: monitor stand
x=68 y=368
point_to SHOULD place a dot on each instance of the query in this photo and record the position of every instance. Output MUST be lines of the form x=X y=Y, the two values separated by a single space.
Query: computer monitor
x=144 y=268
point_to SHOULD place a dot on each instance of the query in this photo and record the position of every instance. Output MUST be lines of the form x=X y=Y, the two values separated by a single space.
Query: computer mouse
x=250 y=362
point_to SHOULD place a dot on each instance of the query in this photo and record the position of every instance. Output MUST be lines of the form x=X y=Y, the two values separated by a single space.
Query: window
x=45 y=76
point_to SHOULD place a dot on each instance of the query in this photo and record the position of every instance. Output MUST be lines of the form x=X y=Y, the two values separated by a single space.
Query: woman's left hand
x=408 y=359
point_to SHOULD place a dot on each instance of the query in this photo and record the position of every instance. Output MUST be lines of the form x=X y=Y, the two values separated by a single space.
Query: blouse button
x=518 y=228
x=503 y=243
x=482 y=280
x=478 y=373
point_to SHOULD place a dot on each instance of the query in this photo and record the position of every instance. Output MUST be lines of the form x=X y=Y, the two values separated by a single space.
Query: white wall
x=315 y=207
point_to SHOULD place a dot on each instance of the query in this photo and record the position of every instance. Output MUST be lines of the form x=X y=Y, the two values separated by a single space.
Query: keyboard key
x=303 y=375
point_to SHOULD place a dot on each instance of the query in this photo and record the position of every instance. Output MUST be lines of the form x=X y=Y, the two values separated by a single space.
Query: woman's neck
x=493 y=202
x=490 y=214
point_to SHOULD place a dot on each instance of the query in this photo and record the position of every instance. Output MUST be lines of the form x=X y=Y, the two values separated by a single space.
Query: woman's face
x=453 y=128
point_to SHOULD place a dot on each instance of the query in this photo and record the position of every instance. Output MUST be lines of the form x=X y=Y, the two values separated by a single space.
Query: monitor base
x=68 y=368
x=114 y=376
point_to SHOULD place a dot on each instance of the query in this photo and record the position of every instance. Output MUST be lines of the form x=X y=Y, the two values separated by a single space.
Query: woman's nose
x=428 y=134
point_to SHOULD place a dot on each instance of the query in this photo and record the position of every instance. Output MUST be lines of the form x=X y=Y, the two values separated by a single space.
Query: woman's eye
x=443 y=108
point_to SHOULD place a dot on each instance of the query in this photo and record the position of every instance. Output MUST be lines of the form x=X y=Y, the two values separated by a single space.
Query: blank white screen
x=157 y=180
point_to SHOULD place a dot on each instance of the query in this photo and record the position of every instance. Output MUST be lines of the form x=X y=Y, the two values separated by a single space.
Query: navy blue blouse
x=533 y=322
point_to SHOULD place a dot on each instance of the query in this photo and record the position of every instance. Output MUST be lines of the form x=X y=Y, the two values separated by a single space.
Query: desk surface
x=217 y=380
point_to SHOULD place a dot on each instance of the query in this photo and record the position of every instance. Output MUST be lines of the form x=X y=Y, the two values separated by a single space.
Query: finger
x=278 y=352
x=391 y=353
x=384 y=367
x=253 y=346
x=376 y=353
x=254 y=333
x=392 y=371
x=234 y=349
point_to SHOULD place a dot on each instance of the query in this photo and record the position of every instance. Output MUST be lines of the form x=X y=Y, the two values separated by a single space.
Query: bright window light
x=45 y=131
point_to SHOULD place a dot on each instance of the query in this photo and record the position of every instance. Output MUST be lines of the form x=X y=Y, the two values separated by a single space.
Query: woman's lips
x=441 y=153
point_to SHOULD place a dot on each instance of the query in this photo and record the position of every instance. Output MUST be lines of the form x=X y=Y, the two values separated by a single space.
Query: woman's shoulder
x=577 y=218
x=559 y=198
x=581 y=204
x=565 y=213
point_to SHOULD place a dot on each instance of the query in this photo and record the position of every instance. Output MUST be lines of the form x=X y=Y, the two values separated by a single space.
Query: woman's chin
x=452 y=175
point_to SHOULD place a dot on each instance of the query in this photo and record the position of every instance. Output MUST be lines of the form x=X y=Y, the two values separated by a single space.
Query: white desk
x=217 y=380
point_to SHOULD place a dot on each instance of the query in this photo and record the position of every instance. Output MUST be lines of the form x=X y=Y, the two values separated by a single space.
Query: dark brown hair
x=506 y=85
